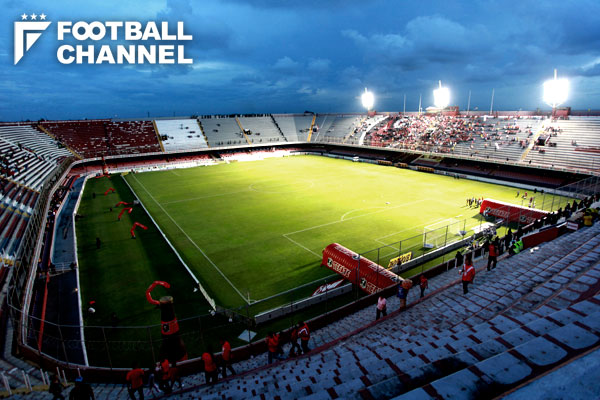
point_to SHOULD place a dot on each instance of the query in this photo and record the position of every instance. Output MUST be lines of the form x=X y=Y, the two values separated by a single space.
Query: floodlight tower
x=556 y=91
x=367 y=100
x=441 y=97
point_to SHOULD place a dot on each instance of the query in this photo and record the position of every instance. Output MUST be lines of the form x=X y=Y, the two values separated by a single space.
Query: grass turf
x=117 y=275
x=257 y=229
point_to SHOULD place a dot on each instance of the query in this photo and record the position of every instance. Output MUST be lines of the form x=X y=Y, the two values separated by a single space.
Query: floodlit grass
x=256 y=229
x=117 y=275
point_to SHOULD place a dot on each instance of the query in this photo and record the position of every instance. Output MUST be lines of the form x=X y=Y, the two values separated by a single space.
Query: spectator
x=304 y=335
x=273 y=346
x=508 y=238
x=154 y=373
x=81 y=391
x=468 y=273
x=210 y=368
x=423 y=284
x=294 y=342
x=56 y=388
x=163 y=383
x=174 y=376
x=135 y=382
x=459 y=259
x=493 y=254
x=98 y=243
x=587 y=218
x=403 y=289
x=226 y=357
x=381 y=307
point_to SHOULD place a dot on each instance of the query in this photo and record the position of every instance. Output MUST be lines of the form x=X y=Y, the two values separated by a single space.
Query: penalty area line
x=298 y=244
x=358 y=216
x=191 y=241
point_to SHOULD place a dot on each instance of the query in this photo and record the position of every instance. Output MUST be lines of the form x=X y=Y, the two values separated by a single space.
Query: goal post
x=444 y=232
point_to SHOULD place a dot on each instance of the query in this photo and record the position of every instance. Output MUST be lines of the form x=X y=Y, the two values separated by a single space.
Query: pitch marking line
x=298 y=244
x=437 y=222
x=205 y=197
x=358 y=216
x=250 y=188
x=286 y=235
x=191 y=241
x=403 y=230
x=358 y=209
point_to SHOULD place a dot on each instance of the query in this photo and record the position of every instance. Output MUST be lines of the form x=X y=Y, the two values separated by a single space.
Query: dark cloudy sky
x=289 y=56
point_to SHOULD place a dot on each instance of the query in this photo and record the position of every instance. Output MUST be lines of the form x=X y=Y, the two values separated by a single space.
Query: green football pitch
x=251 y=230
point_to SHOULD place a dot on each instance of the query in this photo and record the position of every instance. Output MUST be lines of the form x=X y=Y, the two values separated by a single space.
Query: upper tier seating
x=262 y=128
x=294 y=127
x=501 y=139
x=126 y=137
x=96 y=138
x=573 y=144
x=16 y=206
x=222 y=132
x=340 y=127
x=28 y=156
x=181 y=134
x=88 y=138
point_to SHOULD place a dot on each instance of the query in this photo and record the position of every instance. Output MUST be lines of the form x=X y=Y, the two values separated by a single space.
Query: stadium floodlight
x=367 y=99
x=556 y=91
x=441 y=97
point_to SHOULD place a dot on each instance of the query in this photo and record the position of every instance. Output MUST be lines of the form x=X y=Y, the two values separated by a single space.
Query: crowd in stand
x=438 y=133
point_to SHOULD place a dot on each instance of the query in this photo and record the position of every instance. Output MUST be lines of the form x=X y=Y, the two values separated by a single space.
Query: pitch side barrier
x=510 y=212
x=352 y=269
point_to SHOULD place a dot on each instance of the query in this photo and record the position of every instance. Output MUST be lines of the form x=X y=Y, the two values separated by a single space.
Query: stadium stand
x=222 y=132
x=322 y=125
x=490 y=138
x=572 y=144
x=87 y=138
x=534 y=313
x=337 y=127
x=180 y=134
x=28 y=155
x=131 y=137
x=262 y=129
x=294 y=127
x=97 y=138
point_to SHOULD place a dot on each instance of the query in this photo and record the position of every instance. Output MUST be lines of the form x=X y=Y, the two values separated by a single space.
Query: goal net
x=443 y=232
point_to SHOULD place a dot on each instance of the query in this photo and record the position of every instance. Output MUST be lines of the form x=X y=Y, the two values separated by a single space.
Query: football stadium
x=439 y=252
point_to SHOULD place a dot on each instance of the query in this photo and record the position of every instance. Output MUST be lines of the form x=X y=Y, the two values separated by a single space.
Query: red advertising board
x=371 y=276
x=510 y=212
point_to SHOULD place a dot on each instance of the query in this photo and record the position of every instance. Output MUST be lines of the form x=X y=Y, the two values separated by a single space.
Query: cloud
x=286 y=64
x=305 y=4
x=283 y=55
x=319 y=64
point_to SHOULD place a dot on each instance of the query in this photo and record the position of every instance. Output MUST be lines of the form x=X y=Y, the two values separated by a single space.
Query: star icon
x=43 y=16
x=33 y=17
x=24 y=17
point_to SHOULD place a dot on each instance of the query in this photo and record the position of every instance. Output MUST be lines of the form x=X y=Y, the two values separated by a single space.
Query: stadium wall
x=75 y=209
